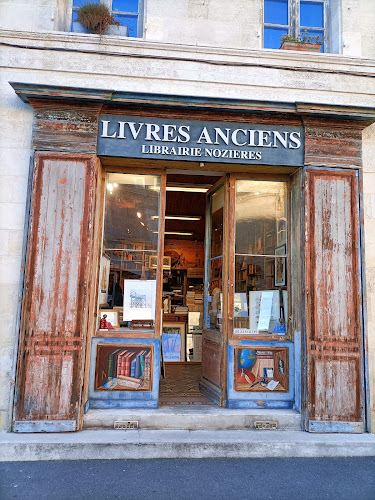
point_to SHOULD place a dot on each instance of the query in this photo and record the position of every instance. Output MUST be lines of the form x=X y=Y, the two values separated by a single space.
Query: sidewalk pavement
x=151 y=444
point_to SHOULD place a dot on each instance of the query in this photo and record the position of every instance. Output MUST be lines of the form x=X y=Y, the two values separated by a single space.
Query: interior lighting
x=179 y=217
x=188 y=189
x=180 y=233
x=139 y=215
x=142 y=223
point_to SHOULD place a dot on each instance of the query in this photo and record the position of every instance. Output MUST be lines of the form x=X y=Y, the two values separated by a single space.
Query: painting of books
x=261 y=369
x=123 y=367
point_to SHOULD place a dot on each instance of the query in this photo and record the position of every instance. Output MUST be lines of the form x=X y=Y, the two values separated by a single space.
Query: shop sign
x=155 y=138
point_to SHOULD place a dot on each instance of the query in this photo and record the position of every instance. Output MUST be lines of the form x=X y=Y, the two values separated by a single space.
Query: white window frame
x=294 y=26
x=108 y=3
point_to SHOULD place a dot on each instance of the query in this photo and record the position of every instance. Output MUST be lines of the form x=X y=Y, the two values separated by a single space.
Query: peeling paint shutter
x=333 y=303
x=54 y=316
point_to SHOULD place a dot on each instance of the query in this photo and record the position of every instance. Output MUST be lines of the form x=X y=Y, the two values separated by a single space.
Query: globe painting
x=246 y=358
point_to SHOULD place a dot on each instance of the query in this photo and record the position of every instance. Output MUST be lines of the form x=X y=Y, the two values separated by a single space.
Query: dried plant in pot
x=303 y=42
x=96 y=18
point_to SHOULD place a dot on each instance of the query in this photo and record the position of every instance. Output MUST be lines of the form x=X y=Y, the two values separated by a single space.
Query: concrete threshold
x=157 y=444
x=192 y=417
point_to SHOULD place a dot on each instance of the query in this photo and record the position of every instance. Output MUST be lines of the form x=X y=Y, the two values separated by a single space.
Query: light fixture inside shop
x=139 y=215
x=179 y=233
x=188 y=189
x=179 y=217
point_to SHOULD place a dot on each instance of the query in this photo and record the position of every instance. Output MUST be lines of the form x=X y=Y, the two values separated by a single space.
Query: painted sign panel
x=123 y=368
x=261 y=369
x=156 y=138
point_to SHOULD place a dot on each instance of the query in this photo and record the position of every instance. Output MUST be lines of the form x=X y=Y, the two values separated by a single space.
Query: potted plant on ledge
x=97 y=18
x=303 y=42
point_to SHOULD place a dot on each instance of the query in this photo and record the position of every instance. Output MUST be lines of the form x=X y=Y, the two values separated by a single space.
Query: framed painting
x=261 y=369
x=122 y=367
x=139 y=299
x=109 y=319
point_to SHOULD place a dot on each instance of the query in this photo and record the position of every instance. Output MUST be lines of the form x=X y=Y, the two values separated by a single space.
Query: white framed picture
x=139 y=299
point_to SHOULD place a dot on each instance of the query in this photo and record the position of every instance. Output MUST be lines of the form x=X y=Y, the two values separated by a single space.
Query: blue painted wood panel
x=125 y=399
x=267 y=399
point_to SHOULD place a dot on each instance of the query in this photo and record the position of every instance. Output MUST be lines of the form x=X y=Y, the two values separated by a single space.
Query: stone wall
x=369 y=223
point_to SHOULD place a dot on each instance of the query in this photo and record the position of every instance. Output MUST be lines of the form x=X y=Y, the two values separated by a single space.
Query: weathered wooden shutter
x=334 y=394
x=55 y=308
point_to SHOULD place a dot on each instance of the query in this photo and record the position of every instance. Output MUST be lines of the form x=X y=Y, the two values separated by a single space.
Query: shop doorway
x=189 y=244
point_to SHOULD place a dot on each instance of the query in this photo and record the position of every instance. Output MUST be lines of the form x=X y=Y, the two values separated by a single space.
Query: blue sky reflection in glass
x=276 y=12
x=79 y=3
x=312 y=14
x=130 y=21
x=272 y=37
x=125 y=5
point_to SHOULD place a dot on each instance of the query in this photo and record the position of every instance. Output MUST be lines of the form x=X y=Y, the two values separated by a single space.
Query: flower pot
x=112 y=30
x=304 y=47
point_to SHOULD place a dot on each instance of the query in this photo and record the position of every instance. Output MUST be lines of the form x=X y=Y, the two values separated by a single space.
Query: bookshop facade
x=192 y=254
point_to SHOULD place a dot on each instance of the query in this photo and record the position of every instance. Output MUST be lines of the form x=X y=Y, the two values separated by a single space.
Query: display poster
x=139 y=299
x=171 y=346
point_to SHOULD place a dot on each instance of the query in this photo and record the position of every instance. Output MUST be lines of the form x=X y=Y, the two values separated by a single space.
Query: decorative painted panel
x=124 y=373
x=261 y=369
x=261 y=374
x=122 y=367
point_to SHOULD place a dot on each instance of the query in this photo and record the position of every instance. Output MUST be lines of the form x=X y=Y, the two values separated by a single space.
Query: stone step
x=194 y=418
x=151 y=444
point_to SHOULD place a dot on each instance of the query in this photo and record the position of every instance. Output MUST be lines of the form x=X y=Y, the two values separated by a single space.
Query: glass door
x=260 y=353
x=214 y=336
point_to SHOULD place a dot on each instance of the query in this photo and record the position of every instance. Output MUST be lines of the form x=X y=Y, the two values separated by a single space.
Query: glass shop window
x=261 y=297
x=294 y=17
x=215 y=263
x=127 y=288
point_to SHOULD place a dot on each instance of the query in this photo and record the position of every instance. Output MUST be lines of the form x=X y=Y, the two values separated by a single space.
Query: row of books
x=127 y=363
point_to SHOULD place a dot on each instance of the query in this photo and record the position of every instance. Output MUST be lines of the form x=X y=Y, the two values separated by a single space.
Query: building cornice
x=29 y=91
x=138 y=48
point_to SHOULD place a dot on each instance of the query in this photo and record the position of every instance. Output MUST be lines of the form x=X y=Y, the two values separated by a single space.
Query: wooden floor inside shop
x=180 y=385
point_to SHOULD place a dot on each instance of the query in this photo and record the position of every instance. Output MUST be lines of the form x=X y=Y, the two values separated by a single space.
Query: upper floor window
x=294 y=17
x=126 y=12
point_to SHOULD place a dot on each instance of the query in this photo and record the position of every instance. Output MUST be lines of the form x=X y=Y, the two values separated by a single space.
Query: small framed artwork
x=280 y=266
x=109 y=319
x=173 y=339
x=153 y=262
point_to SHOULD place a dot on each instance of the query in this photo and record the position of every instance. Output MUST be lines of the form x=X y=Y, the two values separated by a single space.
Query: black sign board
x=156 y=138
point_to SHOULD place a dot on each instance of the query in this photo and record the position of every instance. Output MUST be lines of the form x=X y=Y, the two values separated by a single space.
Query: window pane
x=130 y=21
x=319 y=33
x=215 y=301
x=312 y=14
x=125 y=5
x=260 y=216
x=272 y=37
x=276 y=11
x=79 y=3
x=130 y=244
x=254 y=308
x=217 y=213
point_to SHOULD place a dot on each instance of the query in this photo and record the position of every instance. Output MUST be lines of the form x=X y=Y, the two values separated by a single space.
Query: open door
x=214 y=336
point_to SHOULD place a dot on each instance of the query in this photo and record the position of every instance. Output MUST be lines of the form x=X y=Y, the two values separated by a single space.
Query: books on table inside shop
x=181 y=310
